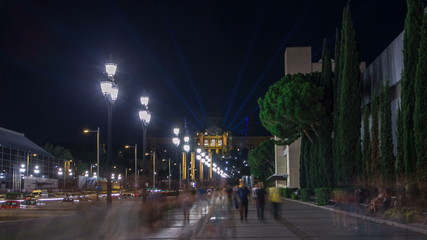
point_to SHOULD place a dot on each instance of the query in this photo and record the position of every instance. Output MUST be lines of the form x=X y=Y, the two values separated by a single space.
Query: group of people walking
x=237 y=197
x=241 y=194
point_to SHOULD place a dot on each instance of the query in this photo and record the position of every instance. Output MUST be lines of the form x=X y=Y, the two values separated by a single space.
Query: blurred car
x=85 y=199
x=10 y=205
x=68 y=199
x=32 y=204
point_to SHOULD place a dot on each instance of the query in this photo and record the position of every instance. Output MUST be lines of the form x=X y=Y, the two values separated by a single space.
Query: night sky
x=194 y=59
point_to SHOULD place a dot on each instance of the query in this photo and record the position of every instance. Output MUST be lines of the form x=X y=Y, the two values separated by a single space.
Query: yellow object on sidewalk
x=274 y=194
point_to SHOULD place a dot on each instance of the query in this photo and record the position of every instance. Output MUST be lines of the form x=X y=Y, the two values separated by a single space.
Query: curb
x=372 y=219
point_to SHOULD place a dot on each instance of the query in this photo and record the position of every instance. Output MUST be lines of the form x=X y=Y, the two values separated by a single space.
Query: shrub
x=294 y=196
x=287 y=192
x=306 y=193
x=322 y=195
x=405 y=215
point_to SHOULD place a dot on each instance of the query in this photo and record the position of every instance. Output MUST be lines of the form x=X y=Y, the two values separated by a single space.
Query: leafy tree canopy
x=58 y=151
x=292 y=106
x=261 y=160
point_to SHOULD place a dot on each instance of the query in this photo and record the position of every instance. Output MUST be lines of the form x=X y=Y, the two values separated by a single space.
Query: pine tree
x=411 y=40
x=303 y=163
x=420 y=111
x=349 y=119
x=386 y=142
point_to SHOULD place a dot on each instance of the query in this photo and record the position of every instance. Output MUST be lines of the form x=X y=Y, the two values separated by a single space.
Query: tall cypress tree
x=314 y=164
x=400 y=162
x=411 y=41
x=325 y=150
x=420 y=111
x=349 y=120
x=336 y=86
x=366 y=157
x=386 y=142
x=375 y=141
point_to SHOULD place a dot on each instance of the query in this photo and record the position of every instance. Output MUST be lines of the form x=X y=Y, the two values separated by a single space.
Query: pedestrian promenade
x=300 y=221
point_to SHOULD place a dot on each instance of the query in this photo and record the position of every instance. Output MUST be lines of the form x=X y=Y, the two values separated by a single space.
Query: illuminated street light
x=186 y=148
x=110 y=69
x=22 y=169
x=36 y=169
x=144 y=100
x=110 y=90
x=176 y=131
x=136 y=164
x=145 y=117
x=176 y=141
x=97 y=146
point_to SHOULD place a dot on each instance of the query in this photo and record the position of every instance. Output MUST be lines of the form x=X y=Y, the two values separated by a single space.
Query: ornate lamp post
x=185 y=169
x=145 y=117
x=110 y=90
x=97 y=148
x=176 y=141
x=136 y=164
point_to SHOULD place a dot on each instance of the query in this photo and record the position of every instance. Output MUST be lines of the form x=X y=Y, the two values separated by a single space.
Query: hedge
x=306 y=193
x=287 y=192
x=322 y=195
x=294 y=196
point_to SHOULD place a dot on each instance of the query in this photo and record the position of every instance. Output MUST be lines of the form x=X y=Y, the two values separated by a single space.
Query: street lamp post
x=110 y=90
x=97 y=147
x=176 y=141
x=186 y=149
x=136 y=164
x=145 y=117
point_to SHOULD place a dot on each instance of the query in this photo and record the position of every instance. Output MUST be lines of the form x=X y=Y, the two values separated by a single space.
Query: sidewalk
x=302 y=220
x=415 y=227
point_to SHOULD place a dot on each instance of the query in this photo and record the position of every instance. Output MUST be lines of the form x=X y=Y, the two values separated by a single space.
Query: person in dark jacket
x=243 y=193
x=260 y=193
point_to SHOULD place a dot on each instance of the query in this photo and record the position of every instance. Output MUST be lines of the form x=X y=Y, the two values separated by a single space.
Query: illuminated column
x=184 y=165
x=193 y=166
x=210 y=167
x=201 y=171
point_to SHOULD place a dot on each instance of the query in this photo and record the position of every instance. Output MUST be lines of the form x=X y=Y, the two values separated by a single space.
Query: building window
x=220 y=142
x=206 y=143
x=213 y=142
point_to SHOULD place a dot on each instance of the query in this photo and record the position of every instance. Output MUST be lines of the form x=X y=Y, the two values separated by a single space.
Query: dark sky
x=193 y=58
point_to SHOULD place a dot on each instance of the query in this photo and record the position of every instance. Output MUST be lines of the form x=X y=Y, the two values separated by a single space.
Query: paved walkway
x=301 y=221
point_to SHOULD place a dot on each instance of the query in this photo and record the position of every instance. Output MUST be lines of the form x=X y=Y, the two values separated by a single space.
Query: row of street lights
x=203 y=157
x=110 y=91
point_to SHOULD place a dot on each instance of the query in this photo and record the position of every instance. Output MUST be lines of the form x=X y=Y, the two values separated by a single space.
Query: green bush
x=405 y=215
x=306 y=193
x=287 y=192
x=322 y=195
x=294 y=196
